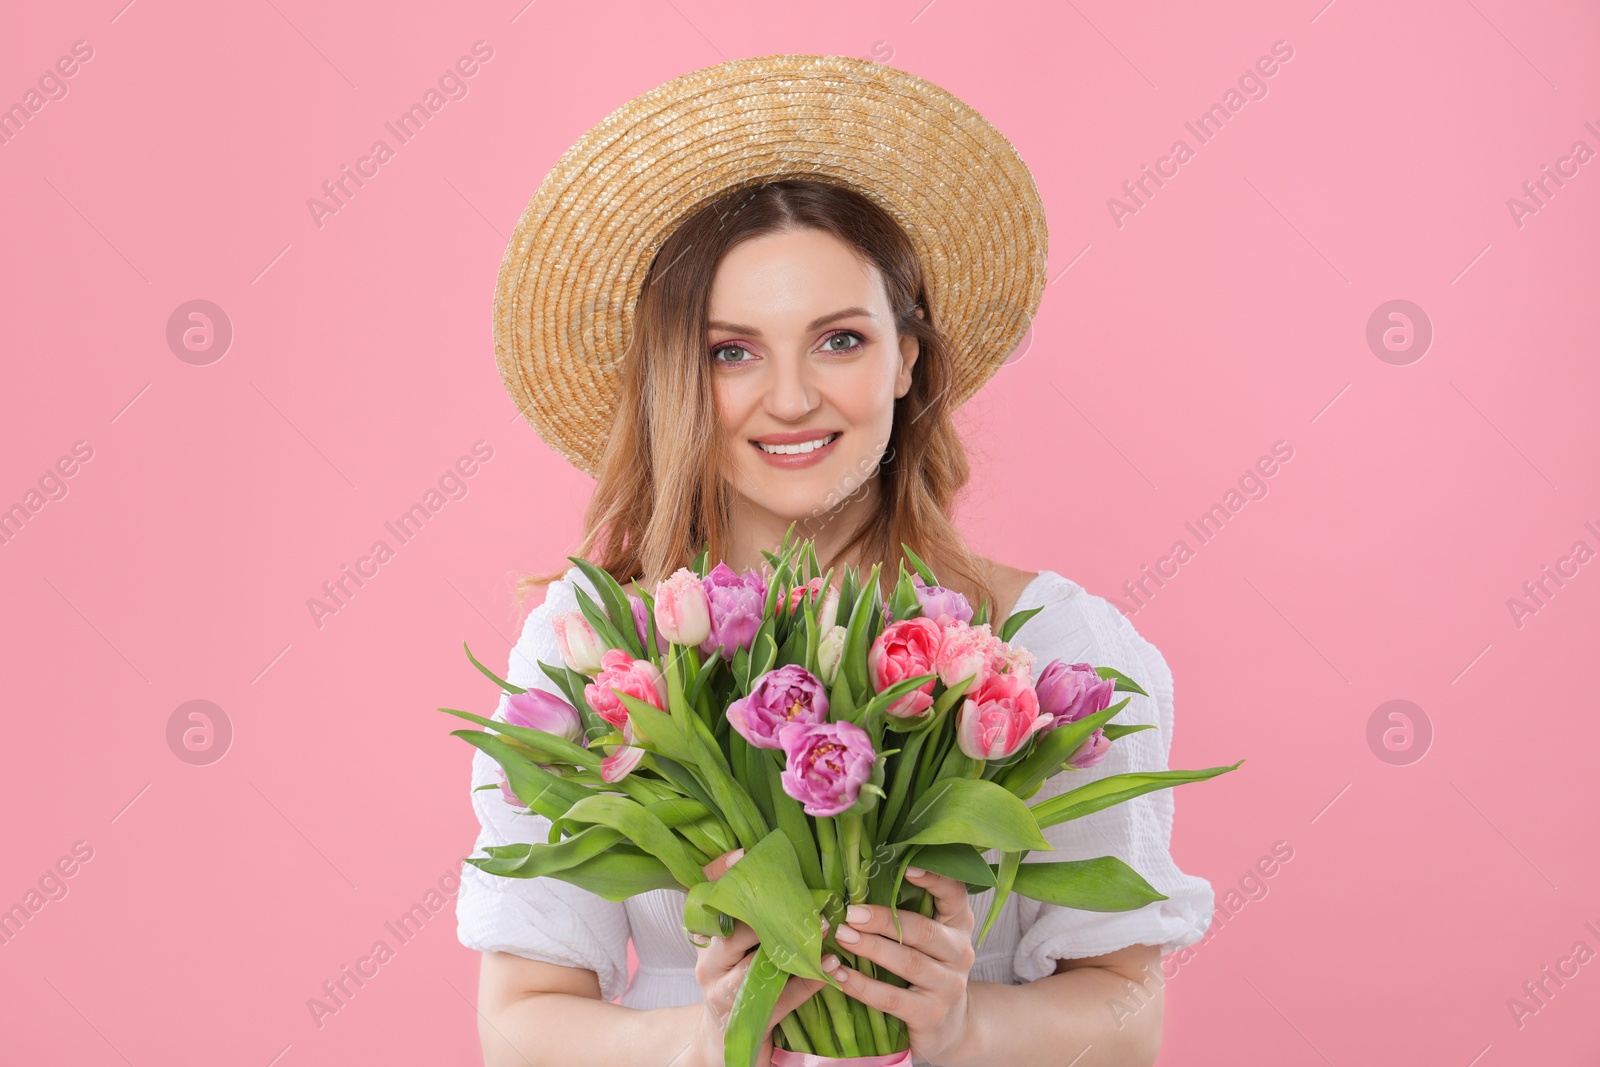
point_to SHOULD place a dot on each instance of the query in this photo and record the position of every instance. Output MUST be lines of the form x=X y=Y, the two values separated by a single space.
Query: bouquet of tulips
x=836 y=737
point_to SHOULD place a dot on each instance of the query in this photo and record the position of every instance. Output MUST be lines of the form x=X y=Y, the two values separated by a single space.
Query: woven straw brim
x=564 y=302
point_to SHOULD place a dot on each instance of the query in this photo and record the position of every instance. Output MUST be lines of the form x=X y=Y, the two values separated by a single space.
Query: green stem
x=828 y=843
x=818 y=1027
x=794 y=1034
x=844 y=1026
x=855 y=874
x=880 y=1031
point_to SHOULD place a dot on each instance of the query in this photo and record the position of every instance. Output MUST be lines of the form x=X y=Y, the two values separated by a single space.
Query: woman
x=792 y=355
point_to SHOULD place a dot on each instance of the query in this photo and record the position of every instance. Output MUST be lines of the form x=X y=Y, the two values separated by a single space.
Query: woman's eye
x=844 y=335
x=716 y=353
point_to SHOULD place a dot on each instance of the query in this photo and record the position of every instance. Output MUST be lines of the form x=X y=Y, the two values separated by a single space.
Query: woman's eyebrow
x=845 y=313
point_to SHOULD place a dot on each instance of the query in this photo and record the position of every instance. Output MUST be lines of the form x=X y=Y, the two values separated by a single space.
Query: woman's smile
x=801 y=448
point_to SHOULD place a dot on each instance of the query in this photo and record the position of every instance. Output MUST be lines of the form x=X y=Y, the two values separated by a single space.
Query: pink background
x=1230 y=312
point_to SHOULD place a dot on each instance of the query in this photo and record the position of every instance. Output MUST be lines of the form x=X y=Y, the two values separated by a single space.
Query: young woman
x=792 y=358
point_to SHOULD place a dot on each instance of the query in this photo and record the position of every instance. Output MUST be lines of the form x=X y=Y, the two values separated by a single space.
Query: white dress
x=551 y=920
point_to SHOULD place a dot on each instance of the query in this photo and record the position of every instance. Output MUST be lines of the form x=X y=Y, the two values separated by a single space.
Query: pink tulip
x=581 y=648
x=505 y=789
x=1091 y=752
x=964 y=652
x=788 y=694
x=1011 y=659
x=905 y=649
x=621 y=673
x=623 y=758
x=538 y=710
x=825 y=764
x=998 y=717
x=683 y=614
x=799 y=592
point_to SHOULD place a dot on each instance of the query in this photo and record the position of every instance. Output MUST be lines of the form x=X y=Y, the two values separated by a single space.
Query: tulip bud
x=830 y=652
x=1091 y=752
x=539 y=710
x=581 y=647
x=683 y=614
x=828 y=614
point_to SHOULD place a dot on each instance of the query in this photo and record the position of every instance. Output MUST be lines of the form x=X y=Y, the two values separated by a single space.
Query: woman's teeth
x=796 y=450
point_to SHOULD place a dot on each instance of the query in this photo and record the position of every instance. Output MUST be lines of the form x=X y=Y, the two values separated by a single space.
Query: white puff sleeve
x=538 y=918
x=1079 y=627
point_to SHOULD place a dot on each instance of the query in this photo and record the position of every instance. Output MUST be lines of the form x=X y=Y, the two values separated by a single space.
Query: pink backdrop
x=186 y=507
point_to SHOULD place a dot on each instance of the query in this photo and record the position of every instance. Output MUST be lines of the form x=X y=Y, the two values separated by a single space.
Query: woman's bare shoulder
x=1008 y=583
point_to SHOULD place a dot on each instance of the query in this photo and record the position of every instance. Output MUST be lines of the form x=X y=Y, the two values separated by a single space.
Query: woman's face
x=807 y=362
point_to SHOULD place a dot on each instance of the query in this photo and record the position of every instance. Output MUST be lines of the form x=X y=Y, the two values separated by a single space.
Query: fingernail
x=915 y=872
x=830 y=963
x=824 y=921
x=735 y=856
x=848 y=934
x=857 y=913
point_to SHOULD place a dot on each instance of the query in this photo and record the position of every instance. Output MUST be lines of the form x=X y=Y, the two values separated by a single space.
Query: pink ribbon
x=782 y=1057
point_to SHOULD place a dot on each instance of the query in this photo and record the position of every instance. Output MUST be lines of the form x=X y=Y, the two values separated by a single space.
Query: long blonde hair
x=662 y=489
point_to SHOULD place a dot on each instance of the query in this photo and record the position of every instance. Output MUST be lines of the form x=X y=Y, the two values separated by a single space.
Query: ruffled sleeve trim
x=1077 y=626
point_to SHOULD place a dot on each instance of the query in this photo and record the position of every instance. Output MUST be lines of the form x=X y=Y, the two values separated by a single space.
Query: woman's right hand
x=721 y=968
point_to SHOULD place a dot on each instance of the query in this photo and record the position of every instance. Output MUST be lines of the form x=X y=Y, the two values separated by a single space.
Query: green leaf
x=921 y=567
x=537 y=860
x=493 y=677
x=1005 y=877
x=1124 y=683
x=618 y=609
x=1116 y=729
x=1050 y=750
x=790 y=817
x=879 y=704
x=1014 y=621
x=752 y=1010
x=1104 y=884
x=903 y=602
x=981 y=614
x=1115 y=789
x=599 y=620
x=955 y=860
x=766 y=890
x=642 y=827
x=548 y=794
x=975 y=812
x=556 y=749
x=856 y=635
x=655 y=729
x=616 y=876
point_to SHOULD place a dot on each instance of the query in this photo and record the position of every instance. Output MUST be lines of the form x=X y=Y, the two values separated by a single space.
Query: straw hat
x=564 y=302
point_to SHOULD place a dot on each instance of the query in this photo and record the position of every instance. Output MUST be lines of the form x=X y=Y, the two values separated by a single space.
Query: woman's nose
x=792 y=393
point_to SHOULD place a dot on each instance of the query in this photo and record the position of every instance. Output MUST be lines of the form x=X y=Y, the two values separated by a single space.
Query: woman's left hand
x=934 y=954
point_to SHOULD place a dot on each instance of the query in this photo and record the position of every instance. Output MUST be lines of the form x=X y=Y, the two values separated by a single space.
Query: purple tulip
x=789 y=694
x=1072 y=691
x=942 y=605
x=538 y=710
x=826 y=764
x=1091 y=751
x=641 y=625
x=737 y=603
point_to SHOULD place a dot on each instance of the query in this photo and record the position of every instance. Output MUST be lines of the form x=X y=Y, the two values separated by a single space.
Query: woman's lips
x=801 y=459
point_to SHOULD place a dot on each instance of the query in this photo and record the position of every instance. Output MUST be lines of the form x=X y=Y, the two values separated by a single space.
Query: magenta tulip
x=788 y=694
x=1072 y=691
x=826 y=764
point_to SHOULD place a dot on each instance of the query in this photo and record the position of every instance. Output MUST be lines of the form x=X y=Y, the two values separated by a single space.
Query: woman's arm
x=536 y=1014
x=1086 y=1014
